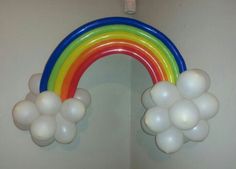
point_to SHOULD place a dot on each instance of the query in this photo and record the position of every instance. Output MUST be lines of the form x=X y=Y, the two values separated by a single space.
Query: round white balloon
x=208 y=105
x=84 y=96
x=31 y=97
x=147 y=99
x=146 y=129
x=193 y=83
x=73 y=110
x=66 y=130
x=170 y=140
x=34 y=83
x=184 y=114
x=43 y=129
x=157 y=119
x=24 y=113
x=43 y=143
x=164 y=94
x=48 y=103
x=199 y=132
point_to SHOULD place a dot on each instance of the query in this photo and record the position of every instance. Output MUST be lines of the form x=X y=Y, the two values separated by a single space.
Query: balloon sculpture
x=179 y=113
x=46 y=117
x=178 y=105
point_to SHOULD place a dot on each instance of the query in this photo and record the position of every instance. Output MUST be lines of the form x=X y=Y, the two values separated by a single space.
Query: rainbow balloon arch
x=177 y=106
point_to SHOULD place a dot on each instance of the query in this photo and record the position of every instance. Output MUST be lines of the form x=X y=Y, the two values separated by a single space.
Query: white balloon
x=147 y=99
x=199 y=132
x=164 y=94
x=43 y=143
x=208 y=105
x=193 y=83
x=73 y=110
x=66 y=130
x=24 y=113
x=31 y=97
x=43 y=129
x=34 y=83
x=170 y=140
x=84 y=96
x=146 y=129
x=157 y=119
x=48 y=103
x=184 y=114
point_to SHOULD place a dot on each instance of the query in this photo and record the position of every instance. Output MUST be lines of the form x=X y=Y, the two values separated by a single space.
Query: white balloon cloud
x=178 y=113
x=46 y=117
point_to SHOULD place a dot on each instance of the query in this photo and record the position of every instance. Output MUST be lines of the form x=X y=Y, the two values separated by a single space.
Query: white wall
x=29 y=31
x=204 y=31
